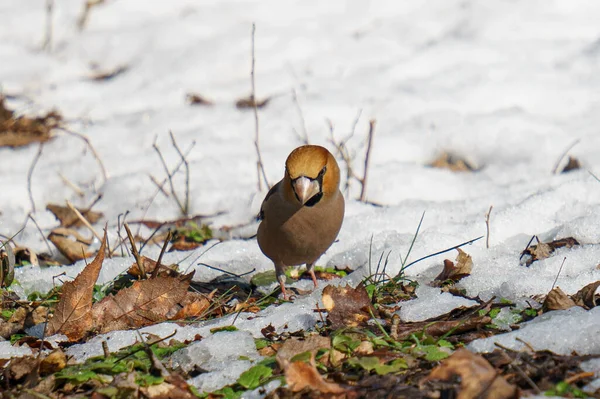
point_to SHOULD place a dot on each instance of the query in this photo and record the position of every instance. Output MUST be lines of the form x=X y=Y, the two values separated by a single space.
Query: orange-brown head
x=311 y=174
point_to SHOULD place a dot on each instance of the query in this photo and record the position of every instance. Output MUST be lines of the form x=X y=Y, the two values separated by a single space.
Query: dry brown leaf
x=300 y=375
x=18 y=131
x=477 y=377
x=26 y=255
x=68 y=218
x=99 y=75
x=149 y=265
x=587 y=296
x=453 y=163
x=73 y=316
x=193 y=305
x=557 y=300
x=174 y=387
x=248 y=102
x=146 y=302
x=572 y=164
x=347 y=306
x=197 y=99
x=544 y=250
x=294 y=346
x=456 y=271
x=71 y=244
x=54 y=362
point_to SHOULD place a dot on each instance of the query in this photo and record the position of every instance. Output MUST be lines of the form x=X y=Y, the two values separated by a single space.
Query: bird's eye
x=322 y=172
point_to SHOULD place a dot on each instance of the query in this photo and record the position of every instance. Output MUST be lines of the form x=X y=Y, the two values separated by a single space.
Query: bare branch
x=87 y=224
x=92 y=150
x=169 y=178
x=30 y=174
x=487 y=227
x=261 y=166
x=187 y=172
x=363 y=181
x=304 y=136
x=47 y=44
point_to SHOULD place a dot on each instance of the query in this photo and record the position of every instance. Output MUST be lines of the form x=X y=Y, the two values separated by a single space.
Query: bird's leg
x=310 y=269
x=280 y=272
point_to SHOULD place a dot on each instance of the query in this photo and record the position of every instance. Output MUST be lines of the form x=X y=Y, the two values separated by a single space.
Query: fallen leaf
x=193 y=305
x=7 y=264
x=300 y=375
x=347 y=306
x=543 y=250
x=149 y=265
x=471 y=376
x=197 y=99
x=26 y=256
x=71 y=244
x=68 y=218
x=587 y=297
x=455 y=272
x=248 y=102
x=73 y=316
x=146 y=302
x=452 y=162
x=54 y=362
x=99 y=75
x=572 y=164
x=557 y=300
x=19 y=131
x=295 y=346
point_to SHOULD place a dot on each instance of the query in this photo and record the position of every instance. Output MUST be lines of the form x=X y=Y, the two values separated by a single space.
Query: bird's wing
x=261 y=214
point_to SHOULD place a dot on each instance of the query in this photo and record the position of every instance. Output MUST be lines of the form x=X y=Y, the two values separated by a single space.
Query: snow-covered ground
x=507 y=85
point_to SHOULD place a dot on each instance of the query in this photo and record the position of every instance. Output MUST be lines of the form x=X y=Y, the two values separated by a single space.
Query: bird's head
x=311 y=174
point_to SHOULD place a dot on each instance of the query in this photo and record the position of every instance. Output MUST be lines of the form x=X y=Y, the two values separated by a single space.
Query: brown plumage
x=303 y=213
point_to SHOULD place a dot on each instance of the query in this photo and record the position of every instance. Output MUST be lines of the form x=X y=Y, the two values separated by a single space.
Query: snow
x=507 y=85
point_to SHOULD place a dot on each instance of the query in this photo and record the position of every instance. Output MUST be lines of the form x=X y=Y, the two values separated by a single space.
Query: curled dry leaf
x=149 y=266
x=197 y=99
x=588 y=297
x=347 y=306
x=300 y=375
x=557 y=300
x=73 y=314
x=7 y=264
x=544 y=250
x=455 y=271
x=453 y=163
x=146 y=302
x=71 y=244
x=193 y=305
x=473 y=376
x=68 y=218
x=19 y=131
x=54 y=362
x=99 y=75
x=248 y=102
x=572 y=164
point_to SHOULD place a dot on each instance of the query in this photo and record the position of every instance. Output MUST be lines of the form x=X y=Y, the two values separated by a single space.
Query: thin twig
x=159 y=186
x=134 y=250
x=487 y=227
x=162 y=252
x=30 y=216
x=30 y=174
x=169 y=177
x=87 y=223
x=71 y=185
x=187 y=172
x=261 y=166
x=363 y=181
x=562 y=156
x=528 y=244
x=304 y=136
x=558 y=274
x=47 y=45
x=92 y=150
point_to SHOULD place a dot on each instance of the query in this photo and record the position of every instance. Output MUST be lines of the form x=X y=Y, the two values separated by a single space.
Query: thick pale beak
x=305 y=188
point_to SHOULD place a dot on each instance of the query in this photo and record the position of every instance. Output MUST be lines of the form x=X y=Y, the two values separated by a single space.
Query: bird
x=302 y=214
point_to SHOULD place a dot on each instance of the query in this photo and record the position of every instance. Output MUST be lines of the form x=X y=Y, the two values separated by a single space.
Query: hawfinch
x=303 y=213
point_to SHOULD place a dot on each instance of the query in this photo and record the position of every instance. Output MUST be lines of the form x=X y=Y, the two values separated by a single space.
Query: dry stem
x=304 y=137
x=260 y=165
x=87 y=224
x=47 y=44
x=563 y=155
x=92 y=150
x=487 y=227
x=30 y=174
x=134 y=250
